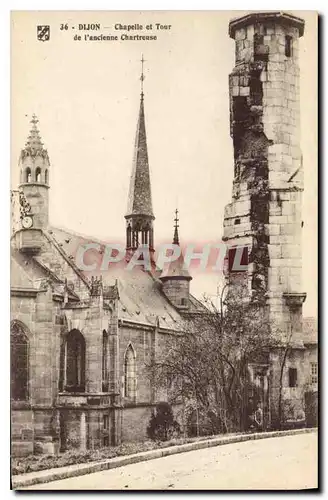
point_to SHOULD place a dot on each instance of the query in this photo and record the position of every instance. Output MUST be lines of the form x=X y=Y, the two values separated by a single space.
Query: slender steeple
x=140 y=216
x=176 y=234
x=176 y=278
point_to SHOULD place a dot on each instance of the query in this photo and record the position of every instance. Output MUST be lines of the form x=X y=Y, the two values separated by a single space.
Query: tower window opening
x=256 y=90
x=292 y=377
x=38 y=175
x=28 y=175
x=46 y=177
x=288 y=46
x=237 y=221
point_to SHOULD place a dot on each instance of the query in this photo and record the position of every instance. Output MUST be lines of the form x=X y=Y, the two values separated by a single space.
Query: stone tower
x=176 y=279
x=139 y=217
x=264 y=217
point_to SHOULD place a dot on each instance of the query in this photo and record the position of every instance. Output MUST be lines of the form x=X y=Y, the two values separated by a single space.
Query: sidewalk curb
x=32 y=478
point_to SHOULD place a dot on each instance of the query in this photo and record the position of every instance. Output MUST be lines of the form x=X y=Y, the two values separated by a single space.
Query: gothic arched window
x=28 y=175
x=130 y=373
x=38 y=174
x=46 y=177
x=105 y=361
x=75 y=362
x=19 y=354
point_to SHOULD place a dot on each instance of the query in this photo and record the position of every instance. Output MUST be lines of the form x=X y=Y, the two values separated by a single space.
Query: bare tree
x=207 y=364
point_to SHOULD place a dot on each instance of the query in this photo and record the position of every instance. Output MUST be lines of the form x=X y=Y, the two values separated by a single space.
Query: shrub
x=203 y=422
x=162 y=424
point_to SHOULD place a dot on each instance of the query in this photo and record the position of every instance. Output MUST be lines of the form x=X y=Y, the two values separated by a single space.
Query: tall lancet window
x=105 y=361
x=19 y=353
x=130 y=381
x=75 y=362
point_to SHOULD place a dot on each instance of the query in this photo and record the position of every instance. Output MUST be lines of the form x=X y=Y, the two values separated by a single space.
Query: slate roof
x=140 y=296
x=21 y=281
x=139 y=200
x=19 y=278
x=176 y=269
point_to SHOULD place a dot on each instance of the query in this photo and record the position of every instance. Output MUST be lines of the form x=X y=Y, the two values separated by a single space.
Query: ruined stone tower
x=265 y=214
x=264 y=217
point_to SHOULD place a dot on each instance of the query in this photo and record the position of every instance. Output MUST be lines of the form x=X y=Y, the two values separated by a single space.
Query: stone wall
x=141 y=341
x=22 y=431
x=134 y=423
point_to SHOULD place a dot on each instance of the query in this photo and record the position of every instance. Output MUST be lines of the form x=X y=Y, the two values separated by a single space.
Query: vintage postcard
x=163 y=326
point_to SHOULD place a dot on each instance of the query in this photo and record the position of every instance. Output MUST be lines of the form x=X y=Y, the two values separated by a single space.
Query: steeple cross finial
x=176 y=225
x=142 y=77
x=176 y=220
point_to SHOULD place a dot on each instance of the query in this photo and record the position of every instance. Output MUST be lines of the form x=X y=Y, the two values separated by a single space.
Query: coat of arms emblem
x=43 y=33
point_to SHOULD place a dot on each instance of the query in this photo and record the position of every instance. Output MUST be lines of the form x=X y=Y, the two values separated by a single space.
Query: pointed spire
x=176 y=233
x=176 y=269
x=140 y=201
x=34 y=139
x=34 y=145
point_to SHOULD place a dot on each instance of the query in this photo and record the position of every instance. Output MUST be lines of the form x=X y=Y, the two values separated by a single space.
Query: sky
x=86 y=96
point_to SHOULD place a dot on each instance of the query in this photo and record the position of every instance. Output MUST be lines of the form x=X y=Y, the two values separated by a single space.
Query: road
x=276 y=463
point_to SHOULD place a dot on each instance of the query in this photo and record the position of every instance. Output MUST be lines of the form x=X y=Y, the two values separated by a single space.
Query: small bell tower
x=176 y=279
x=33 y=192
x=34 y=177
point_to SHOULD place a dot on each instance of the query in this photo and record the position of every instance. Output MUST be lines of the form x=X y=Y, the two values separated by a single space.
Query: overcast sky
x=86 y=96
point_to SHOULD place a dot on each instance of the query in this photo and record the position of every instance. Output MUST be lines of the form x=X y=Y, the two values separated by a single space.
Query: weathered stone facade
x=80 y=343
x=265 y=216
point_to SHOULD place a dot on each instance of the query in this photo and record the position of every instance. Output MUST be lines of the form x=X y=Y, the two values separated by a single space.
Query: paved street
x=276 y=463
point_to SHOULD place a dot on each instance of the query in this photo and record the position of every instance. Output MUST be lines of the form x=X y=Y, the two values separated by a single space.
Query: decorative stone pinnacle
x=34 y=145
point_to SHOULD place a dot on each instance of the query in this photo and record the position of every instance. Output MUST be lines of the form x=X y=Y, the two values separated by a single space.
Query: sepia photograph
x=164 y=250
